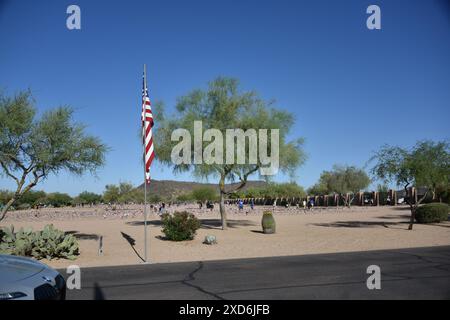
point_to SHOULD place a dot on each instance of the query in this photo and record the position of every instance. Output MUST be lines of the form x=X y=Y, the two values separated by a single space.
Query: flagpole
x=145 y=182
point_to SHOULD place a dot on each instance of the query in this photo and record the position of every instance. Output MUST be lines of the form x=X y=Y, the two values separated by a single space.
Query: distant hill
x=171 y=188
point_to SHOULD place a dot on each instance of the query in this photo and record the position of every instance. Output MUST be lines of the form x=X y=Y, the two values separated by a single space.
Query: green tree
x=276 y=190
x=123 y=193
x=111 y=194
x=88 y=198
x=318 y=189
x=222 y=106
x=346 y=181
x=427 y=164
x=204 y=194
x=57 y=199
x=31 y=149
x=184 y=197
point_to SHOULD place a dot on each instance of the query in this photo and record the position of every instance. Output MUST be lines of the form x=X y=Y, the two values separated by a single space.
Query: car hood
x=13 y=268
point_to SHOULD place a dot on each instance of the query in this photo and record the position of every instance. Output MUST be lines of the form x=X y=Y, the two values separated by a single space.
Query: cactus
x=49 y=243
x=268 y=222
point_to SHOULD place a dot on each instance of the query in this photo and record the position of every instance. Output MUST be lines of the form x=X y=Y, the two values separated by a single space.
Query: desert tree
x=318 y=188
x=222 y=106
x=87 y=197
x=203 y=194
x=427 y=165
x=346 y=181
x=31 y=149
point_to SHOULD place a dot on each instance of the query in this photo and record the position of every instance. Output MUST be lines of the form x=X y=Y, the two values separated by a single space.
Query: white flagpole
x=145 y=176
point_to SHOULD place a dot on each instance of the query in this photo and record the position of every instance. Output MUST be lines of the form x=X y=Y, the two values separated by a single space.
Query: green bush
x=432 y=212
x=268 y=222
x=49 y=243
x=180 y=226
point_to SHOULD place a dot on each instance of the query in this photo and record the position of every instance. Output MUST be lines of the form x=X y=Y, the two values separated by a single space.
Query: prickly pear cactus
x=49 y=243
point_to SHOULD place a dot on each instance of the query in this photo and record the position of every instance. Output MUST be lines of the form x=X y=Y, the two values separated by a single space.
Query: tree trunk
x=413 y=216
x=6 y=208
x=223 y=214
x=411 y=206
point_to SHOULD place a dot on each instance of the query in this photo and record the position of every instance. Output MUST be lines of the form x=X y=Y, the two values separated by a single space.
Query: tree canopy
x=275 y=190
x=32 y=148
x=342 y=180
x=222 y=106
x=426 y=164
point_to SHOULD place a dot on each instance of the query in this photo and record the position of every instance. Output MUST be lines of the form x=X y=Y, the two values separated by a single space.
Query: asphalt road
x=419 y=273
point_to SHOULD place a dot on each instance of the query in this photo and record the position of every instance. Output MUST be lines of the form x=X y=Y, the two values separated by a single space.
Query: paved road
x=419 y=273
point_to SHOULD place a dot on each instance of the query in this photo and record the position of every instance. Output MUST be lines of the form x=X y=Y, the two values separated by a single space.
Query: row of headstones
x=375 y=198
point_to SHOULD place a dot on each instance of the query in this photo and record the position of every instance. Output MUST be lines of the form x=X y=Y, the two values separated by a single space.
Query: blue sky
x=351 y=89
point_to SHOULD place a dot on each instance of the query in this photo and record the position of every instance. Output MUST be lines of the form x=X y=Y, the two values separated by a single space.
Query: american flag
x=147 y=125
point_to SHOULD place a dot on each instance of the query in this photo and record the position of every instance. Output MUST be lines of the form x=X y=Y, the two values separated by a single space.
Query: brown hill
x=171 y=188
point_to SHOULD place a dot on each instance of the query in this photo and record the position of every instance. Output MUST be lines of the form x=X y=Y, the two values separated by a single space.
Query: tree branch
x=5 y=168
x=243 y=180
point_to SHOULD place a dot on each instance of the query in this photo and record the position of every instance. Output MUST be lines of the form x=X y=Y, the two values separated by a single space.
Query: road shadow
x=132 y=243
x=82 y=236
x=98 y=292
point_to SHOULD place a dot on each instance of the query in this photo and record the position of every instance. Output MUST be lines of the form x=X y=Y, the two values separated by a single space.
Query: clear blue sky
x=351 y=89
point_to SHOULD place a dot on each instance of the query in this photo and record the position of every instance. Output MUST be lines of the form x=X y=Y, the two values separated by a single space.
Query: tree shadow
x=217 y=223
x=205 y=223
x=257 y=231
x=164 y=238
x=401 y=208
x=361 y=224
x=141 y=223
x=132 y=243
x=82 y=236
x=391 y=217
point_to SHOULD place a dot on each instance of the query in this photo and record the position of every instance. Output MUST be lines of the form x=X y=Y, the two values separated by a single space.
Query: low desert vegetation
x=180 y=226
x=49 y=243
x=432 y=213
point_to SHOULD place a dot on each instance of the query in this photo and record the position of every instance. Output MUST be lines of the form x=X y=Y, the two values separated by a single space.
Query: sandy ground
x=298 y=232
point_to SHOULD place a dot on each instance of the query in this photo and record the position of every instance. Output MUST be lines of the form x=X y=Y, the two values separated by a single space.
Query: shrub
x=49 y=243
x=180 y=226
x=268 y=222
x=432 y=212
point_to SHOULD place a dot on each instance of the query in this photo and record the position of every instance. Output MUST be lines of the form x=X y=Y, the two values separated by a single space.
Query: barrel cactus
x=268 y=222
